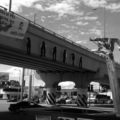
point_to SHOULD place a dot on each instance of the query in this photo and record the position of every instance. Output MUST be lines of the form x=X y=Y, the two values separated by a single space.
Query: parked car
x=101 y=99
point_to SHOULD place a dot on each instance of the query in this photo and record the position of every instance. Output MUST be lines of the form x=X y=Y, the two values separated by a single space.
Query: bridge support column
x=114 y=84
x=82 y=98
x=51 y=96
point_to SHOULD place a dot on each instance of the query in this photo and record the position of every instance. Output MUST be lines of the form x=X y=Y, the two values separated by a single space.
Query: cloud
x=108 y=4
x=62 y=7
x=95 y=31
x=87 y=18
x=82 y=33
x=81 y=42
x=114 y=7
x=98 y=23
x=43 y=18
x=68 y=26
x=94 y=3
x=39 y=6
x=17 y=4
x=80 y=23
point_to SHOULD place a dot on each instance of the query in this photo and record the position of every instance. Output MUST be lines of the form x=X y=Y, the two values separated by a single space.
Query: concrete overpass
x=54 y=57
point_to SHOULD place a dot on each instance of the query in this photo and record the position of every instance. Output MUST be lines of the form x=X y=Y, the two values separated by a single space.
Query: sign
x=12 y=25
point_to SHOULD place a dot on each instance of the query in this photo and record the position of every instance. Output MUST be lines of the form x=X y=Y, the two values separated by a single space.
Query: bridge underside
x=19 y=58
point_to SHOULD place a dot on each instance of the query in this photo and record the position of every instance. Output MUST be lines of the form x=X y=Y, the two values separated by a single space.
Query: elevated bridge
x=54 y=57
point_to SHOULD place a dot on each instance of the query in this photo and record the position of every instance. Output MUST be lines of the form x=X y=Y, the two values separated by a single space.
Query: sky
x=77 y=20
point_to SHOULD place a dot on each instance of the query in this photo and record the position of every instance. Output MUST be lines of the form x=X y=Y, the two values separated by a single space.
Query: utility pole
x=34 y=18
x=10 y=5
x=22 y=84
x=30 y=86
x=104 y=21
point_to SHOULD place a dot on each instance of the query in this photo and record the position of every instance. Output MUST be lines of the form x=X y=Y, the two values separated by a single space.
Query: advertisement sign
x=12 y=25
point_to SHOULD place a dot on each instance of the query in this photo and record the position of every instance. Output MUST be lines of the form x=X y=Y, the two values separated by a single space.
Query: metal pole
x=10 y=5
x=22 y=84
x=30 y=87
x=104 y=21
x=34 y=18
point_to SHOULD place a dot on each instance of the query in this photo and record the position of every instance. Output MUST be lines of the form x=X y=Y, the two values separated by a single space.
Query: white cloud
x=95 y=31
x=82 y=33
x=68 y=26
x=87 y=18
x=90 y=18
x=81 y=23
x=64 y=7
x=81 y=42
x=61 y=7
x=39 y=7
x=98 y=23
x=114 y=7
x=95 y=3
x=16 y=4
x=108 y=4
x=43 y=18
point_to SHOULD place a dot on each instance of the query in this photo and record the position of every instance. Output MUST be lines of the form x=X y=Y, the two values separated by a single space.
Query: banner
x=12 y=25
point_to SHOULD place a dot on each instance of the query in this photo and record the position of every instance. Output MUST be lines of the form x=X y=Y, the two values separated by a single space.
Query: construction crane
x=106 y=47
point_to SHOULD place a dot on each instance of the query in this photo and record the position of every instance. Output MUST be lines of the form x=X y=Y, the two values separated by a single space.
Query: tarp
x=12 y=25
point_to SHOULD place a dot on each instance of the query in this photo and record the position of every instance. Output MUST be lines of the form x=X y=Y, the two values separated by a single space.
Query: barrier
x=51 y=99
x=81 y=100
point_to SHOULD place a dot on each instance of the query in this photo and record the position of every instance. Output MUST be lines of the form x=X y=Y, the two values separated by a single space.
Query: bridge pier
x=51 y=96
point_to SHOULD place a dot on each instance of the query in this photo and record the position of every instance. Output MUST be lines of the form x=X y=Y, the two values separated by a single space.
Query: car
x=101 y=99
x=70 y=101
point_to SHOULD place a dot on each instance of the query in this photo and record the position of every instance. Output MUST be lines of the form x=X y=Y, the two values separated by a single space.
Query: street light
x=10 y=5
x=104 y=8
x=104 y=20
x=35 y=18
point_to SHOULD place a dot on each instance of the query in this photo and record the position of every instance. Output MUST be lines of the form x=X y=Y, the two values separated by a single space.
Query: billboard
x=12 y=25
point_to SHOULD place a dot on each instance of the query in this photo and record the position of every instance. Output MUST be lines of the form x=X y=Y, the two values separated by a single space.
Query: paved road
x=30 y=114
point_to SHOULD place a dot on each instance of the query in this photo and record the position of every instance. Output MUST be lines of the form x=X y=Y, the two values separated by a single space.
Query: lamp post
x=104 y=18
x=35 y=18
x=22 y=84
x=10 y=5
x=19 y=79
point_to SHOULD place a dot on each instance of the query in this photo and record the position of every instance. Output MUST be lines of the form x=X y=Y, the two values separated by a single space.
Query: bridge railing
x=47 y=30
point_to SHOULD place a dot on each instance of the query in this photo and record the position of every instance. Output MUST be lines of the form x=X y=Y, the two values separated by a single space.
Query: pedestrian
x=80 y=62
x=54 y=53
x=73 y=58
x=28 y=45
x=64 y=56
x=43 y=49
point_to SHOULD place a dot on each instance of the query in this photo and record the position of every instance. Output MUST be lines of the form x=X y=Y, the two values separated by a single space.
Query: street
x=94 y=113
